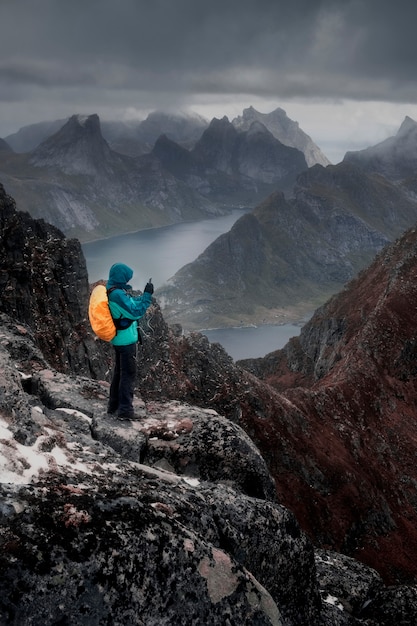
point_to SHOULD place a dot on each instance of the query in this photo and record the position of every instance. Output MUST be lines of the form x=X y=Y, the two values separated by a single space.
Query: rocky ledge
x=170 y=519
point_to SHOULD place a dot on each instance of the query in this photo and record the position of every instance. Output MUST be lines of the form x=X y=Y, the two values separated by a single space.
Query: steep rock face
x=216 y=146
x=285 y=130
x=340 y=437
x=254 y=153
x=34 y=259
x=175 y=158
x=261 y=157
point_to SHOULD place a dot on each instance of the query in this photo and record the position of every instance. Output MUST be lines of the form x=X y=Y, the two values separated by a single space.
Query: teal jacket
x=123 y=304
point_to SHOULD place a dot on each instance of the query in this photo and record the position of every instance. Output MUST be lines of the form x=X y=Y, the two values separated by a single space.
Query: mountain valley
x=285 y=259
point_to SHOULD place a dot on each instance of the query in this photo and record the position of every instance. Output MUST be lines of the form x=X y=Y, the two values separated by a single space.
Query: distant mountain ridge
x=77 y=182
x=132 y=137
x=137 y=137
x=76 y=148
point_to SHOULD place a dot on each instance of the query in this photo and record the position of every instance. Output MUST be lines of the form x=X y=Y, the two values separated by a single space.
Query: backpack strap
x=121 y=323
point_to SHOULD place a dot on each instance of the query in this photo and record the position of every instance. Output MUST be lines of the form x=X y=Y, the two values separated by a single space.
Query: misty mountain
x=131 y=137
x=183 y=128
x=286 y=257
x=395 y=158
x=4 y=146
x=285 y=130
x=75 y=181
x=29 y=137
x=137 y=137
x=78 y=148
x=227 y=164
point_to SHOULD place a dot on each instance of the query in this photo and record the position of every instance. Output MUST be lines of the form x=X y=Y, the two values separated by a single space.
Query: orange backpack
x=99 y=314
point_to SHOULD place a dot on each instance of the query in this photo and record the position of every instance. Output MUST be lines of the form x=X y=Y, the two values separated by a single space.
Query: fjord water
x=252 y=341
x=160 y=252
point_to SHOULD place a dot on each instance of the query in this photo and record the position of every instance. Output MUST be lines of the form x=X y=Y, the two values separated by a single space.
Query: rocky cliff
x=44 y=284
x=176 y=518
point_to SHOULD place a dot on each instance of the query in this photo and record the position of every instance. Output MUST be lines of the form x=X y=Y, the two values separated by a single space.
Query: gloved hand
x=149 y=288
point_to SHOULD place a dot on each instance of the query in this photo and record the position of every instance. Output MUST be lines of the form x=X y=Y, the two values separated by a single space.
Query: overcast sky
x=346 y=70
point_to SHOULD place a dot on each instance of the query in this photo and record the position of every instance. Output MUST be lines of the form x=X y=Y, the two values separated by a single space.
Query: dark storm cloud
x=318 y=47
x=106 y=49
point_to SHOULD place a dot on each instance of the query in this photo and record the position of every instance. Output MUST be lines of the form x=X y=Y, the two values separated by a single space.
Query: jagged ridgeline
x=93 y=181
x=217 y=505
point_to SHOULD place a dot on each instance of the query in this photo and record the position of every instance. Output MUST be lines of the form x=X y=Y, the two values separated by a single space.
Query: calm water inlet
x=159 y=253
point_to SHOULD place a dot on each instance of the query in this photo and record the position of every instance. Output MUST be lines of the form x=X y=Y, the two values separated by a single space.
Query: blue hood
x=119 y=275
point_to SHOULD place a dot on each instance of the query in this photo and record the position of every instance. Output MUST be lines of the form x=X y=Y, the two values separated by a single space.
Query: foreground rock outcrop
x=151 y=522
x=44 y=284
x=172 y=519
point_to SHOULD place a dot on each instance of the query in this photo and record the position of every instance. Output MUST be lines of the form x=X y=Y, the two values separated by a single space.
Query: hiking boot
x=129 y=416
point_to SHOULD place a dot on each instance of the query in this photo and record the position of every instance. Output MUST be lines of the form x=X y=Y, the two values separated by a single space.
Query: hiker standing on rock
x=126 y=309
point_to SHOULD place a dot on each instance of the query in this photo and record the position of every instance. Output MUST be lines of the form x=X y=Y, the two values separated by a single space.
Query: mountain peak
x=395 y=157
x=77 y=148
x=285 y=130
x=257 y=127
x=90 y=122
x=408 y=126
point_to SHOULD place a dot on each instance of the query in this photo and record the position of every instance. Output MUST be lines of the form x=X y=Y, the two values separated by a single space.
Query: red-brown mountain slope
x=353 y=375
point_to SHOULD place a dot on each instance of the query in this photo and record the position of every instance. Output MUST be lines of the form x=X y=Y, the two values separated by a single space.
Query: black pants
x=123 y=382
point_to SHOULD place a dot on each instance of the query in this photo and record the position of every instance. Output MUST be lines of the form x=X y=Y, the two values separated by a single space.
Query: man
x=126 y=310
